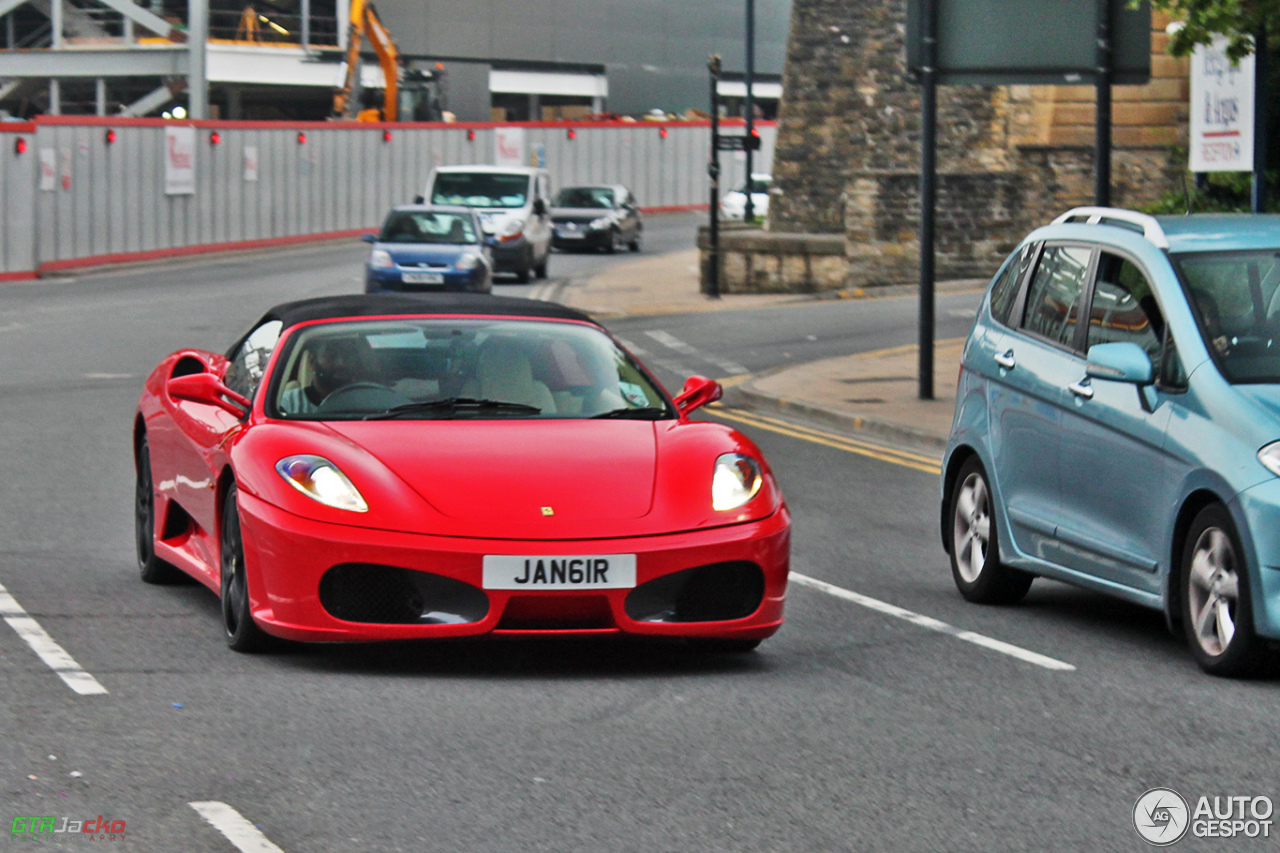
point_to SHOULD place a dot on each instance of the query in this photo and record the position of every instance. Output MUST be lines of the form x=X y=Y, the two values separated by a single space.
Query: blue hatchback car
x=429 y=248
x=1117 y=425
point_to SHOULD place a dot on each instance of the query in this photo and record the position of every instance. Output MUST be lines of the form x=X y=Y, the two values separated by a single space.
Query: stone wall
x=1009 y=158
x=756 y=261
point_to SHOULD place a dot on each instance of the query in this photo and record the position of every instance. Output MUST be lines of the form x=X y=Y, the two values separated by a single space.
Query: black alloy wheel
x=634 y=245
x=151 y=568
x=975 y=551
x=242 y=633
x=541 y=270
x=526 y=272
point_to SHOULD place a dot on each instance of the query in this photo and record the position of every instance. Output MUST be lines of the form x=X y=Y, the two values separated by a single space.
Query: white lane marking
x=934 y=625
x=731 y=368
x=54 y=656
x=650 y=359
x=245 y=836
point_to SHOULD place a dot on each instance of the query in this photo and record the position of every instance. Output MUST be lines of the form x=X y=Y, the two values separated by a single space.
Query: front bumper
x=511 y=255
x=581 y=238
x=288 y=559
x=391 y=279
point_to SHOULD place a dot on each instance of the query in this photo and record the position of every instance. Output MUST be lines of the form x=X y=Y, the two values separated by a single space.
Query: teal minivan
x=1117 y=425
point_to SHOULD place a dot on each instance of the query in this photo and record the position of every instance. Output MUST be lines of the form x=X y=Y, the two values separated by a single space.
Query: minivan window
x=1236 y=297
x=1056 y=293
x=1005 y=291
x=480 y=189
x=1124 y=307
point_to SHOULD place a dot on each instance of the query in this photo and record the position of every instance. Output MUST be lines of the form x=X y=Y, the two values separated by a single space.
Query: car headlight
x=600 y=224
x=467 y=261
x=320 y=480
x=736 y=480
x=513 y=230
x=1269 y=456
x=381 y=259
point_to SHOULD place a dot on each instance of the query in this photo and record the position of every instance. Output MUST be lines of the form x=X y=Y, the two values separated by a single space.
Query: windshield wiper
x=641 y=413
x=453 y=405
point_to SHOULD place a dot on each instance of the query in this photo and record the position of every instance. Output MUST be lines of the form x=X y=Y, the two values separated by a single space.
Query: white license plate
x=423 y=277
x=570 y=235
x=579 y=571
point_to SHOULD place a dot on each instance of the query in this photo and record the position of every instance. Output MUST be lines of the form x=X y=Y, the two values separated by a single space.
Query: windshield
x=480 y=189
x=585 y=197
x=425 y=227
x=454 y=368
x=1236 y=297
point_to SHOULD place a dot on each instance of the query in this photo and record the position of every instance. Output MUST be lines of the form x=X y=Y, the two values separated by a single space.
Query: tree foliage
x=1238 y=20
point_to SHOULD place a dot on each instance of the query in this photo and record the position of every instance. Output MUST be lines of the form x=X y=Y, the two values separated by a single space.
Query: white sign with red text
x=48 y=169
x=179 y=161
x=1221 y=111
x=508 y=146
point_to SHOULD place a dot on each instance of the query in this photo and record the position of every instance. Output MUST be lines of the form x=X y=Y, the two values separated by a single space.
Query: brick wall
x=1009 y=158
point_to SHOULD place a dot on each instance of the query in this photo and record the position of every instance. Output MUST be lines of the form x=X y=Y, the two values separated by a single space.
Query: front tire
x=525 y=274
x=541 y=270
x=242 y=633
x=1216 y=607
x=151 y=568
x=634 y=245
x=975 y=551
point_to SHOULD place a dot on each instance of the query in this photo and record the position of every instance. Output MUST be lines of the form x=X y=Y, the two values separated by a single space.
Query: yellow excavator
x=408 y=93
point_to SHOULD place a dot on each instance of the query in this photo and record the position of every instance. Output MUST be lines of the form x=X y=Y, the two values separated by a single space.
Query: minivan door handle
x=1081 y=389
x=1006 y=360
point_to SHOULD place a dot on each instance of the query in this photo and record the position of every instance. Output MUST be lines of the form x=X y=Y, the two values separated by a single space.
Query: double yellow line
x=917 y=461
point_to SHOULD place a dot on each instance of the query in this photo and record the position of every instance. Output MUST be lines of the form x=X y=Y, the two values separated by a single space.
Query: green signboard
x=1004 y=42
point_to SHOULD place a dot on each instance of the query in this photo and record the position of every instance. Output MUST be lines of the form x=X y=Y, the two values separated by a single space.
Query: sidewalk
x=874 y=394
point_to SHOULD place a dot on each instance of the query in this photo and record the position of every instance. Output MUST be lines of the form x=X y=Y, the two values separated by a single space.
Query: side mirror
x=1123 y=361
x=698 y=391
x=208 y=389
x=417 y=199
x=369 y=238
x=539 y=207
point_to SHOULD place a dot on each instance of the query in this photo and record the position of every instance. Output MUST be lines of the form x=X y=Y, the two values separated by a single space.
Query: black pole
x=749 y=211
x=713 y=169
x=1259 y=194
x=928 y=189
x=1102 y=122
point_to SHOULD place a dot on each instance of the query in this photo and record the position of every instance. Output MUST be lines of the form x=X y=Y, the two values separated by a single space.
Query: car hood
x=420 y=253
x=519 y=470
x=1265 y=396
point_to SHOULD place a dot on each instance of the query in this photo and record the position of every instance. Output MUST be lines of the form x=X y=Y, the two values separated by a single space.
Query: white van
x=514 y=205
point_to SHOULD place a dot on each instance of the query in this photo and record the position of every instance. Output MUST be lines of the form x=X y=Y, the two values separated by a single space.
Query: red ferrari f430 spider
x=398 y=467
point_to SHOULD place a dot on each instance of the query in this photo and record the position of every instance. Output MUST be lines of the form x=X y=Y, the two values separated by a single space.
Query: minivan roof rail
x=1130 y=219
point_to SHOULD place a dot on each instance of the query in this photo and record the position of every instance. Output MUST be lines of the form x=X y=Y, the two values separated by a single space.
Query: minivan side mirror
x=417 y=199
x=539 y=207
x=1122 y=361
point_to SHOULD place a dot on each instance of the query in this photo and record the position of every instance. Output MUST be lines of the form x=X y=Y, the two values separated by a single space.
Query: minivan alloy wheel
x=972 y=526
x=1213 y=591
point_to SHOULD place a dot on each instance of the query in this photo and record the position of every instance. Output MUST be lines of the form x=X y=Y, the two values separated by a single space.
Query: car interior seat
x=504 y=372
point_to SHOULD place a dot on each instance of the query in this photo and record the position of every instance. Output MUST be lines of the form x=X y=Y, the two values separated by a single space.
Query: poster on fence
x=251 y=163
x=48 y=169
x=179 y=161
x=508 y=146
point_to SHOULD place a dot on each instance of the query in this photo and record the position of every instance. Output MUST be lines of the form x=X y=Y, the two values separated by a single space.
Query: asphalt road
x=858 y=727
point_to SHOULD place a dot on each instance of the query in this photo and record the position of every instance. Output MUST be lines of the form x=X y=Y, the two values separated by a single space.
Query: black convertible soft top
x=376 y=304
x=424 y=304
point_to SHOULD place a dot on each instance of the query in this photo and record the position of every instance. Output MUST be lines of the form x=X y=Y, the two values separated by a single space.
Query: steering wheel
x=361 y=397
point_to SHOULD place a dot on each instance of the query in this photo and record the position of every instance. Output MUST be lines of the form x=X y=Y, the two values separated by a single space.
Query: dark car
x=429 y=248
x=596 y=217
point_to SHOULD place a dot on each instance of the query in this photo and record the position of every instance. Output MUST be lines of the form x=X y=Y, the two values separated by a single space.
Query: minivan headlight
x=1269 y=456
x=513 y=230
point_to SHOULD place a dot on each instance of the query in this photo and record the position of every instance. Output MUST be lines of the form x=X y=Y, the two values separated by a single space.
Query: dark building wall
x=653 y=51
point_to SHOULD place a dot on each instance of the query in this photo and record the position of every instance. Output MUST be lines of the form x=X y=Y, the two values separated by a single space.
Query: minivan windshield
x=1236 y=300
x=480 y=189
